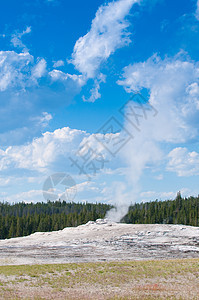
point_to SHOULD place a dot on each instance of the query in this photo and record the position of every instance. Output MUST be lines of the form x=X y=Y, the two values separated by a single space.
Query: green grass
x=144 y=278
x=103 y=271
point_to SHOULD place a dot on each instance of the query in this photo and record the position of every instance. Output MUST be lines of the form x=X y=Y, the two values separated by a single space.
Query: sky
x=99 y=101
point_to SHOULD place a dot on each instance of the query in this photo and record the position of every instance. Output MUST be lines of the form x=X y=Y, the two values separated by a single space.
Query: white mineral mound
x=102 y=240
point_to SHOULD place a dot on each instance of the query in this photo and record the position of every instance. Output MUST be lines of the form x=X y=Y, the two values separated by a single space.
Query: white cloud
x=39 y=69
x=18 y=70
x=173 y=86
x=37 y=195
x=43 y=120
x=43 y=151
x=95 y=94
x=22 y=70
x=27 y=197
x=171 y=83
x=108 y=33
x=197 y=10
x=183 y=162
x=159 y=177
x=4 y=181
x=152 y=195
x=30 y=164
x=58 y=63
x=51 y=152
x=53 y=1
x=86 y=186
x=17 y=136
x=59 y=75
x=13 y=69
x=16 y=39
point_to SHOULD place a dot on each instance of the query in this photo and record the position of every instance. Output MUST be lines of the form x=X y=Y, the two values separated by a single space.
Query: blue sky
x=67 y=68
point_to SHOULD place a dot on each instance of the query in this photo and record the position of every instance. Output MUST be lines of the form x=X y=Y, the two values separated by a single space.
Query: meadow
x=154 y=279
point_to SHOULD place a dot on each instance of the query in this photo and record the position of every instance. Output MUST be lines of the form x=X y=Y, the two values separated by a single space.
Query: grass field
x=171 y=279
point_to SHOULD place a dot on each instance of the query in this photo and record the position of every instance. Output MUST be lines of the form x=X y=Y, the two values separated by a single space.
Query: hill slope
x=103 y=240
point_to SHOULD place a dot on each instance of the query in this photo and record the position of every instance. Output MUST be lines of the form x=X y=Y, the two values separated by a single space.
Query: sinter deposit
x=102 y=240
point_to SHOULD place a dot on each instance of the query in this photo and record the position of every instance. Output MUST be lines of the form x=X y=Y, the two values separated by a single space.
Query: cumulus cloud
x=42 y=152
x=22 y=70
x=24 y=95
x=183 y=162
x=18 y=70
x=51 y=152
x=13 y=69
x=107 y=34
x=20 y=94
x=173 y=87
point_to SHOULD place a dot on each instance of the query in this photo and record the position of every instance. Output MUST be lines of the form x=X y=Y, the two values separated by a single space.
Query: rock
x=102 y=240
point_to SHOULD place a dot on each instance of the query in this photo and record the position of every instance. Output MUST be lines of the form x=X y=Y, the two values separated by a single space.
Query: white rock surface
x=100 y=241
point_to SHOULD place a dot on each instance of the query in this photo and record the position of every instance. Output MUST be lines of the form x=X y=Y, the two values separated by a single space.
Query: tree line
x=22 y=219
x=178 y=211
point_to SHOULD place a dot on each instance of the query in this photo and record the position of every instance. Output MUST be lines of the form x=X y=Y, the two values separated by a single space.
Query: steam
x=173 y=95
x=121 y=206
x=139 y=151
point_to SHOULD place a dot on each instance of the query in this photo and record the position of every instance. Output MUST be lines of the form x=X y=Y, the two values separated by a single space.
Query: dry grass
x=166 y=279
